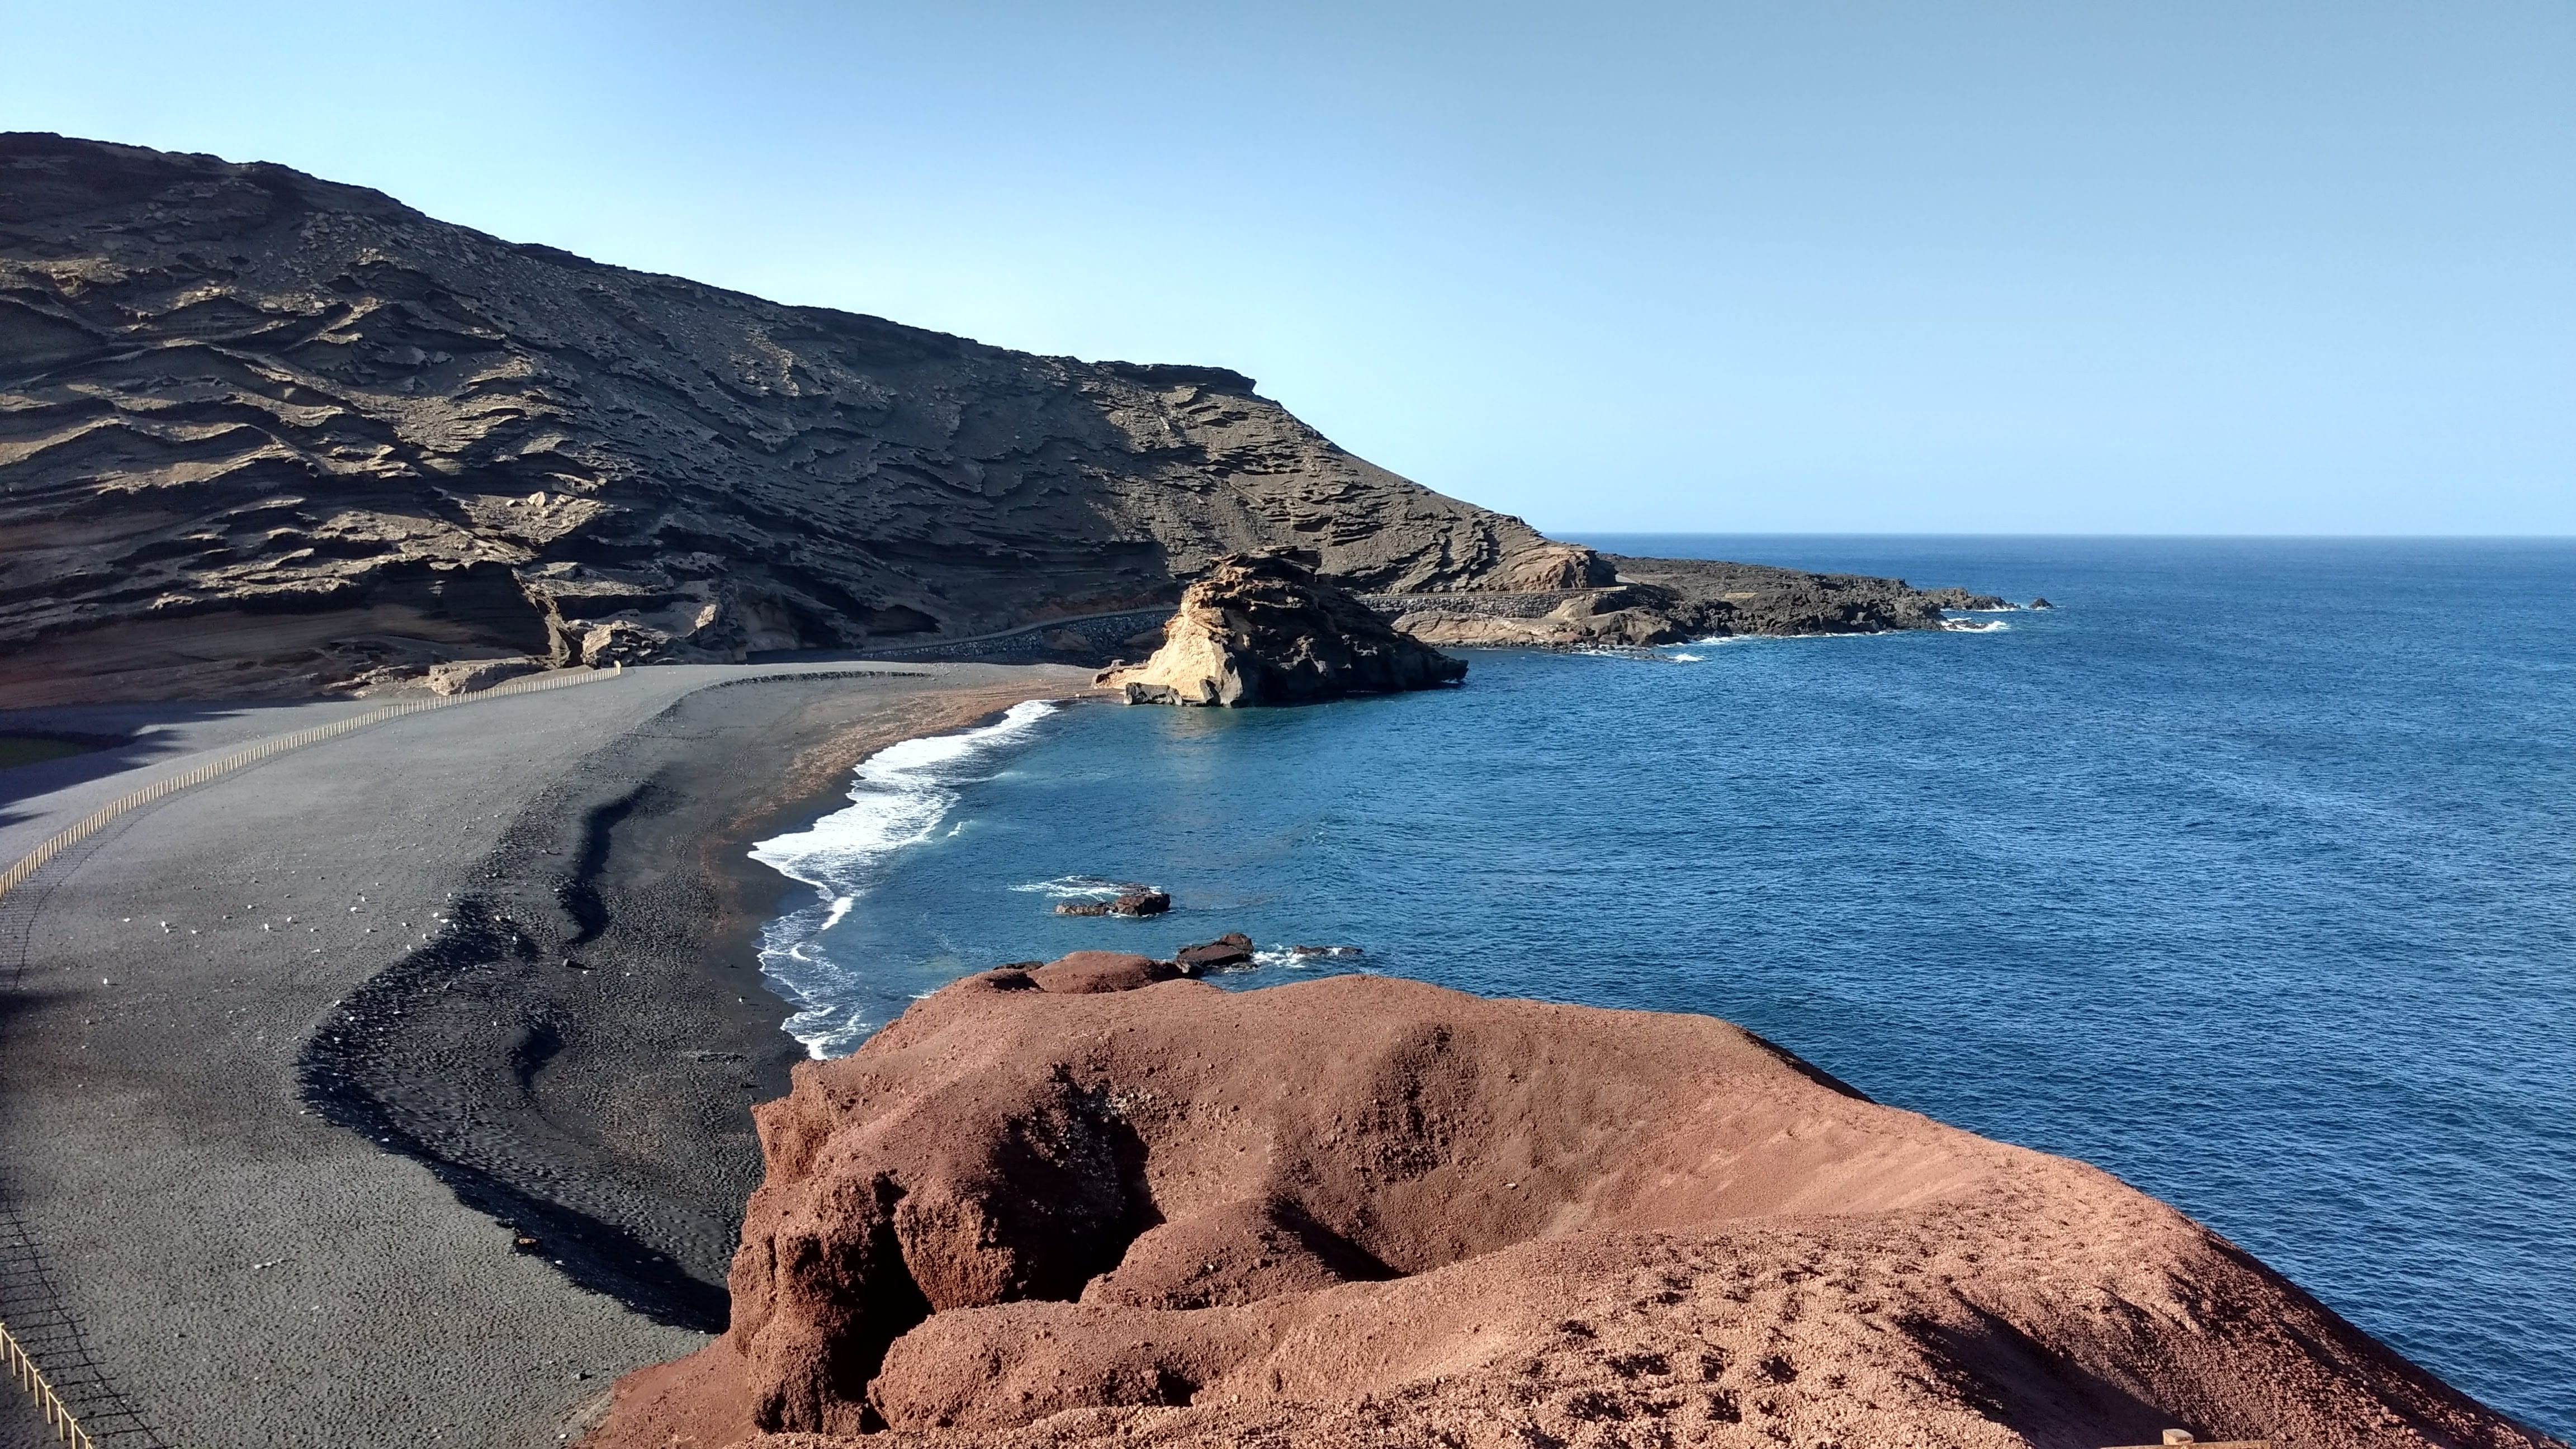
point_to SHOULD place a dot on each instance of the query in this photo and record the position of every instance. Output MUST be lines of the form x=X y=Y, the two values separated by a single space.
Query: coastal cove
x=2238 y=873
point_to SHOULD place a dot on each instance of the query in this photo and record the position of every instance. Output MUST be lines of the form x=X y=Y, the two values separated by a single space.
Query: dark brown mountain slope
x=261 y=432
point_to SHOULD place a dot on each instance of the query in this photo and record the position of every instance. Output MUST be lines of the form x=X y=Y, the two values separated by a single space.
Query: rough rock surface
x=1086 y=1205
x=1141 y=901
x=1668 y=601
x=1228 y=952
x=257 y=427
x=261 y=432
x=1260 y=629
x=468 y=675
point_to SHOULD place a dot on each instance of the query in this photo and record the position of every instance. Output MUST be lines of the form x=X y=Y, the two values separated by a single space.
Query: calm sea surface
x=2249 y=873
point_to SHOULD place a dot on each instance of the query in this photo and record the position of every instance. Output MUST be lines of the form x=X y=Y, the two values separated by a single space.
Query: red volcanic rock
x=1095 y=971
x=1083 y=1205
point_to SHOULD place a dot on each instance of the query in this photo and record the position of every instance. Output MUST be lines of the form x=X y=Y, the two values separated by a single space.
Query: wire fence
x=48 y=1403
x=21 y=1365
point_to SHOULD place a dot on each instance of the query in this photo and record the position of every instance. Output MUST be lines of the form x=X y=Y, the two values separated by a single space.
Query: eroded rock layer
x=258 y=429
x=261 y=433
x=1259 y=629
x=1091 y=1204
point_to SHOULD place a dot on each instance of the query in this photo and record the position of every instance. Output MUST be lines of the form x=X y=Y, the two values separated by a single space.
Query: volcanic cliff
x=1091 y=1204
x=261 y=432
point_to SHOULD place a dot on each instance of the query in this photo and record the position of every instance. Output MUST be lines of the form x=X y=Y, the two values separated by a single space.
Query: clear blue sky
x=2075 y=266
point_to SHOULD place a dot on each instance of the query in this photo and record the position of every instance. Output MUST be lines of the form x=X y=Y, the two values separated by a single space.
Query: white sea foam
x=1975 y=626
x=1078 y=888
x=1335 y=958
x=899 y=797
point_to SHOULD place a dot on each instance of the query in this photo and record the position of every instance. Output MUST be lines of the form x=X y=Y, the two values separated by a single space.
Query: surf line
x=898 y=797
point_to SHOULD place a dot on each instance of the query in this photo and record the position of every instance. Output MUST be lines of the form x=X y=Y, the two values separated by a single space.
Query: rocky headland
x=1094 y=1203
x=263 y=434
x=1651 y=601
x=1258 y=629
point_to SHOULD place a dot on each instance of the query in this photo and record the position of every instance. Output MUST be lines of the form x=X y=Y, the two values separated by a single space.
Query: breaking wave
x=899 y=796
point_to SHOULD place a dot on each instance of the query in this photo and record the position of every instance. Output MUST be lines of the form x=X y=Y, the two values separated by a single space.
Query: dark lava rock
x=1140 y=903
x=1225 y=953
x=2041 y=604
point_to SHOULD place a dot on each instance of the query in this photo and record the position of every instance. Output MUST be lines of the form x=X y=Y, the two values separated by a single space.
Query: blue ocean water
x=2248 y=873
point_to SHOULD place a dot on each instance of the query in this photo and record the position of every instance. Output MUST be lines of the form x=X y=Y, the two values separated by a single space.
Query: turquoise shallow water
x=2247 y=873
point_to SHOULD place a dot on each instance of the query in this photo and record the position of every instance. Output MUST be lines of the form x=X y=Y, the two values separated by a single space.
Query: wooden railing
x=21 y=1366
x=48 y=1403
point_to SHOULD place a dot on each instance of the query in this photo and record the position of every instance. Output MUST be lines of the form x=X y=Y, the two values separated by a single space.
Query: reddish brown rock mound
x=1082 y=1205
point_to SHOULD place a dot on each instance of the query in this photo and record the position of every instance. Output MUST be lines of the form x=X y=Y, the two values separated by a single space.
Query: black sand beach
x=519 y=964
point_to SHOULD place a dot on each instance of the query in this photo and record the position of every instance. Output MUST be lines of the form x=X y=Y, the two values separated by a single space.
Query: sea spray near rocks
x=899 y=796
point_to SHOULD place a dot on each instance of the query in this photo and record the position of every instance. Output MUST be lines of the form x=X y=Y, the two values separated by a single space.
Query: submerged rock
x=1091 y=1205
x=1260 y=628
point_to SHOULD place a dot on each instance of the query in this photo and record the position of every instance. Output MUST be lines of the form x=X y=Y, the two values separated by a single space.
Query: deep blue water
x=2249 y=873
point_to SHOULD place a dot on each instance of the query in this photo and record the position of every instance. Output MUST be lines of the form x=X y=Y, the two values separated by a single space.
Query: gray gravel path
x=240 y=1270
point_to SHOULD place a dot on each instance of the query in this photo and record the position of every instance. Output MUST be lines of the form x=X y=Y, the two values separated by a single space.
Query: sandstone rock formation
x=1260 y=629
x=1092 y=1205
x=261 y=432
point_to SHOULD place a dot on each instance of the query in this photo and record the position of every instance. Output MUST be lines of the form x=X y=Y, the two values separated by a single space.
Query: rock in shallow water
x=1140 y=902
x=1090 y=1204
x=1259 y=629
x=1225 y=953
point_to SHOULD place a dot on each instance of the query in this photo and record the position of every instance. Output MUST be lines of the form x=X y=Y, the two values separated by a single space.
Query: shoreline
x=231 y=1267
x=655 y=1224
